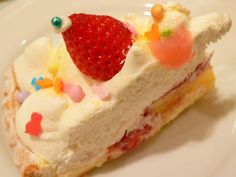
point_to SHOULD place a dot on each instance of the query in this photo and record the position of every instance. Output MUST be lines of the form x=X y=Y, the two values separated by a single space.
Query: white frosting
x=74 y=132
x=66 y=23
x=174 y=20
x=33 y=62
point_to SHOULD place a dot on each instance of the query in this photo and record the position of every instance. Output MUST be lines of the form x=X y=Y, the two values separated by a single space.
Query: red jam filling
x=132 y=139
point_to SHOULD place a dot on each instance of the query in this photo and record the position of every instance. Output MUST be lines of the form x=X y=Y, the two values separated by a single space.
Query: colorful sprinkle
x=166 y=32
x=53 y=69
x=22 y=96
x=61 y=24
x=45 y=83
x=37 y=87
x=33 y=127
x=56 y=22
x=154 y=33
x=33 y=82
x=181 y=9
x=75 y=92
x=157 y=12
x=101 y=91
x=58 y=85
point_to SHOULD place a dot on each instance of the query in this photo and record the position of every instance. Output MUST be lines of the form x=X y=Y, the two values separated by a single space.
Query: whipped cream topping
x=74 y=132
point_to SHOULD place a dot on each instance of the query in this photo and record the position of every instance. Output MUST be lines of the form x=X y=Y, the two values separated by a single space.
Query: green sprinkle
x=56 y=22
x=166 y=32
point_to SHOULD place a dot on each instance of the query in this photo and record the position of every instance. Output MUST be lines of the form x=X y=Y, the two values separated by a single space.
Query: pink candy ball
x=101 y=91
x=75 y=92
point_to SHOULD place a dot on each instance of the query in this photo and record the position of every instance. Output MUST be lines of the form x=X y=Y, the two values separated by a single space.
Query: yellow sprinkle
x=181 y=9
x=53 y=69
x=141 y=37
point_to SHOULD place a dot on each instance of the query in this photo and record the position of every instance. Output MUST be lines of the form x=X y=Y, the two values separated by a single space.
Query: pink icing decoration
x=75 y=92
x=101 y=91
x=174 y=51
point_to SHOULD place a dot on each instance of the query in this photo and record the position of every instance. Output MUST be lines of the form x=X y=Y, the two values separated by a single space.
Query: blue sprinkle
x=41 y=78
x=33 y=82
x=37 y=87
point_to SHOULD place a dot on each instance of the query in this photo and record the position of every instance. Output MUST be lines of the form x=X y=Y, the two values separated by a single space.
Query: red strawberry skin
x=98 y=45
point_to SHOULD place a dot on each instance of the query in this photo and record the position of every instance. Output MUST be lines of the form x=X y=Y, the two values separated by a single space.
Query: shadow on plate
x=195 y=124
x=5 y=0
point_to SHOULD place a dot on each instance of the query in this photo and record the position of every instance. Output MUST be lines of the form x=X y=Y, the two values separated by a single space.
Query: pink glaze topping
x=175 y=50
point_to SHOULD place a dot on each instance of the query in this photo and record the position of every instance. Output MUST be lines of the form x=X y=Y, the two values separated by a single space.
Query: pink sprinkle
x=22 y=96
x=74 y=91
x=101 y=91
x=132 y=29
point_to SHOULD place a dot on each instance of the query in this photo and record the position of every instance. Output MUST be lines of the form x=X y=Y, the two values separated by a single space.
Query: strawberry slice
x=98 y=45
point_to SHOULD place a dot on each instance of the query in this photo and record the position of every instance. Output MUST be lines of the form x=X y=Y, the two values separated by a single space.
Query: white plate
x=201 y=143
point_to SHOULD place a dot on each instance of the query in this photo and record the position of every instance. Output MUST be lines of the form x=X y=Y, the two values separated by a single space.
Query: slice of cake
x=71 y=106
